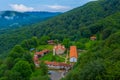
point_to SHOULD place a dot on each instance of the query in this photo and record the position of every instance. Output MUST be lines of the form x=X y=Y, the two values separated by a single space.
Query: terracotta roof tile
x=59 y=46
x=42 y=52
x=73 y=51
x=57 y=64
x=35 y=58
x=93 y=38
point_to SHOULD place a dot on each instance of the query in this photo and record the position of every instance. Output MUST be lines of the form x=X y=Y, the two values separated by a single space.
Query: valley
x=14 y=19
x=80 y=44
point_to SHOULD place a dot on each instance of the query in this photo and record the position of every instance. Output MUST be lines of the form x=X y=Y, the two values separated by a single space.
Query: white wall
x=73 y=59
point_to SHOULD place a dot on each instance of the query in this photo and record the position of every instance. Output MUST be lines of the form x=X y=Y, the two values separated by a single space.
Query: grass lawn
x=32 y=53
x=50 y=57
x=42 y=47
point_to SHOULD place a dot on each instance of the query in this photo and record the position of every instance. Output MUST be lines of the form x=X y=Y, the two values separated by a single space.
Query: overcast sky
x=41 y=5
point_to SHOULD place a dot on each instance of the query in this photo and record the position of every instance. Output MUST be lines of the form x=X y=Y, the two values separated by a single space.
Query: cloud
x=21 y=7
x=92 y=0
x=57 y=7
x=51 y=8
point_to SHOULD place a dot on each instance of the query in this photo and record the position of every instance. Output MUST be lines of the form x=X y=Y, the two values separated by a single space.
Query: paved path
x=56 y=75
x=66 y=59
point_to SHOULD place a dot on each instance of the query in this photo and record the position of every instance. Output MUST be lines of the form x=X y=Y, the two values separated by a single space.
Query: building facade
x=58 y=49
x=73 y=54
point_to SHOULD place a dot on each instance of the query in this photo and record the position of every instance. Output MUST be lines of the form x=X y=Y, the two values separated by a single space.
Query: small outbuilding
x=58 y=49
x=73 y=54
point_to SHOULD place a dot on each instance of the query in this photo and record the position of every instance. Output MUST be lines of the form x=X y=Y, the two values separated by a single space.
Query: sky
x=41 y=5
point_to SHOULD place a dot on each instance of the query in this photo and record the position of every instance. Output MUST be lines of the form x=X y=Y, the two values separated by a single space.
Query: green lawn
x=50 y=57
x=42 y=47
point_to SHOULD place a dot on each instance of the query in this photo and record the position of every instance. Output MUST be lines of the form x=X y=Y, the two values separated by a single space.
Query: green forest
x=74 y=24
x=100 y=61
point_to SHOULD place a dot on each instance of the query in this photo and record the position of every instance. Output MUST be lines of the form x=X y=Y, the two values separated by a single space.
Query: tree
x=85 y=32
x=17 y=52
x=9 y=61
x=10 y=75
x=24 y=70
x=113 y=72
x=34 y=41
x=18 y=49
x=66 y=42
x=30 y=43
x=27 y=57
x=43 y=68
x=3 y=78
x=106 y=33
x=80 y=45
x=40 y=78
x=72 y=75
x=3 y=67
x=44 y=39
x=25 y=44
x=113 y=41
x=93 y=70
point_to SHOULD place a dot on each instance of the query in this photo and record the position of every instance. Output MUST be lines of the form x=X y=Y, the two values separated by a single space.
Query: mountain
x=12 y=19
x=97 y=60
x=81 y=22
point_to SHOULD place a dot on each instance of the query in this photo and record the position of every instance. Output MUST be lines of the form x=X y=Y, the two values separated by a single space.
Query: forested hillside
x=75 y=24
x=100 y=59
x=101 y=62
x=13 y=19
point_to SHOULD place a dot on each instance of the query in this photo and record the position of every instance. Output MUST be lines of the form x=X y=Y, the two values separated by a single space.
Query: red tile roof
x=35 y=57
x=39 y=53
x=42 y=52
x=36 y=60
x=50 y=42
x=73 y=52
x=57 y=64
x=59 y=46
x=93 y=37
